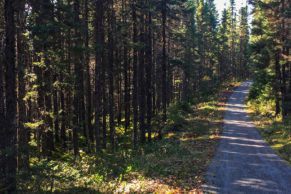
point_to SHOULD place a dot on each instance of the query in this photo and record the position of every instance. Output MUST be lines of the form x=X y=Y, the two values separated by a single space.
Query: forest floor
x=179 y=162
x=175 y=164
x=244 y=163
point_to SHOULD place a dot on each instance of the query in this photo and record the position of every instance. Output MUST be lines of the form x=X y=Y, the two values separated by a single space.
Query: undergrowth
x=261 y=106
x=177 y=163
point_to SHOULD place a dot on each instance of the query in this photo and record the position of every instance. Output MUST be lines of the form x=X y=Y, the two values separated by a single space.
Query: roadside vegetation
x=177 y=163
x=270 y=96
x=276 y=132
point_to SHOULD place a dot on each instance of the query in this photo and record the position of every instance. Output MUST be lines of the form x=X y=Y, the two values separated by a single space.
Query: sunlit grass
x=276 y=132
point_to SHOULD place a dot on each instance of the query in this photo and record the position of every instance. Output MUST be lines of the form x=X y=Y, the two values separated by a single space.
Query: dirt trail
x=244 y=163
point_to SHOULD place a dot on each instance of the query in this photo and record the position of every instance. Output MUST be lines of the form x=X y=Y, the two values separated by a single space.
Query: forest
x=94 y=94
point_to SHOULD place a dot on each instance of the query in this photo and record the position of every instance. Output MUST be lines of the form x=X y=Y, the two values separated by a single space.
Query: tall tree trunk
x=149 y=72
x=126 y=70
x=154 y=75
x=126 y=90
x=283 y=83
x=118 y=84
x=10 y=121
x=47 y=138
x=2 y=115
x=62 y=80
x=87 y=79
x=233 y=42
x=56 y=113
x=141 y=70
x=104 y=103
x=103 y=79
x=23 y=134
x=98 y=61
x=283 y=89
x=135 y=76
x=278 y=79
x=164 y=64
x=78 y=81
x=39 y=73
x=63 y=123
x=2 y=106
x=169 y=74
x=110 y=73
x=86 y=86
x=69 y=95
x=240 y=68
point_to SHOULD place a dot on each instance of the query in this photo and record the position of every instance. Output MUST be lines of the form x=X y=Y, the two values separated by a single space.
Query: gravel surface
x=244 y=163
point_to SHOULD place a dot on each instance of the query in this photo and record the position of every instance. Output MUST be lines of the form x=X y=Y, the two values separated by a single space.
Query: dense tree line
x=270 y=58
x=72 y=72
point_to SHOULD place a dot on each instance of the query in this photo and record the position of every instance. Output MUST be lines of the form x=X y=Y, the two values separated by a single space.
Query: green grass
x=276 y=132
x=176 y=163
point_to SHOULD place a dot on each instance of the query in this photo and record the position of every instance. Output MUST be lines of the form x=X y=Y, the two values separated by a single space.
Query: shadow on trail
x=244 y=163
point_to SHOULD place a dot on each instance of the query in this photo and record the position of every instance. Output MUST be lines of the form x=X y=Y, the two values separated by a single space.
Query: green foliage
x=44 y=175
x=180 y=154
x=286 y=151
x=273 y=129
x=34 y=125
x=177 y=113
x=207 y=91
x=160 y=153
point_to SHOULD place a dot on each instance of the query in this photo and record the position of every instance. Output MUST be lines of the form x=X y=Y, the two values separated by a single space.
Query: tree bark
x=98 y=64
x=141 y=70
x=10 y=120
x=278 y=80
x=2 y=116
x=149 y=72
x=126 y=90
x=23 y=134
x=135 y=76
x=78 y=82
x=110 y=73
x=164 y=64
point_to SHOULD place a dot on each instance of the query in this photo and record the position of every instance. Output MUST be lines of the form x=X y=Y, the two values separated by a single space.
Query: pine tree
x=9 y=126
x=135 y=75
x=268 y=51
x=223 y=48
x=98 y=64
x=23 y=134
x=243 y=43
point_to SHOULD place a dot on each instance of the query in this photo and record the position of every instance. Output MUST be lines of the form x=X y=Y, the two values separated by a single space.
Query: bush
x=177 y=114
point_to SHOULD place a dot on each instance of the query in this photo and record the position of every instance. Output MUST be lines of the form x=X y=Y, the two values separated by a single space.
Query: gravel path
x=244 y=163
